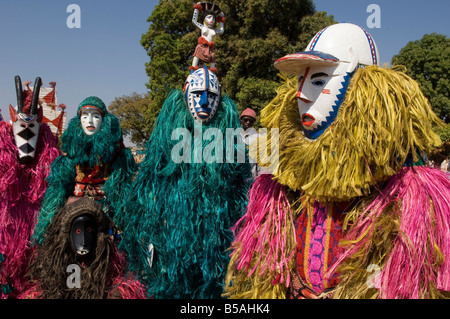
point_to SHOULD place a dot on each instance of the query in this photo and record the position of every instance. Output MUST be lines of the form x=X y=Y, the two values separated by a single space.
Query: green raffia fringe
x=82 y=149
x=185 y=210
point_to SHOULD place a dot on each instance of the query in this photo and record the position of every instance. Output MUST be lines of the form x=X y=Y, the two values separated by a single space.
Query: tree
x=136 y=113
x=257 y=32
x=428 y=62
x=247 y=59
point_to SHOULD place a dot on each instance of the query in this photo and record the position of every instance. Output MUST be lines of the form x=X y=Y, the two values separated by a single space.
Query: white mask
x=321 y=91
x=324 y=71
x=91 y=120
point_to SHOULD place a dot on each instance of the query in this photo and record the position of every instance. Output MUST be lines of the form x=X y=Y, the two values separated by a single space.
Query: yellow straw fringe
x=241 y=286
x=354 y=285
x=366 y=143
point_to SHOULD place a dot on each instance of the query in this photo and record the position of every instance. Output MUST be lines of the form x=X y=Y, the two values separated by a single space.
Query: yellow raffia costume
x=384 y=119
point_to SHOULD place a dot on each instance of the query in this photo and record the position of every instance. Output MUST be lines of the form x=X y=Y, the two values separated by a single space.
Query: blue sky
x=402 y=21
x=104 y=57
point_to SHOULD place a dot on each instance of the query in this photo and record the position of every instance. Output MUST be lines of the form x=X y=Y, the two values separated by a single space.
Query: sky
x=104 y=57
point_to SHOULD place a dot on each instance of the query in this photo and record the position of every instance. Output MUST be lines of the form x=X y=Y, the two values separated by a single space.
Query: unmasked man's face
x=91 y=121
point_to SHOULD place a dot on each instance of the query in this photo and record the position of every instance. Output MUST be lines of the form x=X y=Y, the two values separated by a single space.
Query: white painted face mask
x=321 y=91
x=324 y=71
x=91 y=120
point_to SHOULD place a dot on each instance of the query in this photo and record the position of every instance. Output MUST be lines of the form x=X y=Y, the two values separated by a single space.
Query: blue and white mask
x=202 y=94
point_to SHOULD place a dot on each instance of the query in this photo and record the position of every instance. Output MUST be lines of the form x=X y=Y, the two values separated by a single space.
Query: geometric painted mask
x=26 y=121
x=324 y=71
x=202 y=94
x=320 y=93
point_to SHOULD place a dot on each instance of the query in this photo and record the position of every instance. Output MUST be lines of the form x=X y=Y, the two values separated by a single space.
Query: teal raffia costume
x=186 y=197
x=97 y=166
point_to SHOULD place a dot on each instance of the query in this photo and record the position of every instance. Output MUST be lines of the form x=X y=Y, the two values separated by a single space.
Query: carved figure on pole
x=204 y=51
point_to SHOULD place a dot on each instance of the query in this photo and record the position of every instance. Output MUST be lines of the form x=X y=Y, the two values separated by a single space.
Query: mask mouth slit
x=308 y=119
x=203 y=114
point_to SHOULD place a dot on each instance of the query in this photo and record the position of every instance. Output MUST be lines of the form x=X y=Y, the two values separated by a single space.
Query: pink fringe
x=412 y=264
x=22 y=189
x=261 y=234
x=9 y=166
x=130 y=288
x=128 y=285
x=32 y=292
x=12 y=173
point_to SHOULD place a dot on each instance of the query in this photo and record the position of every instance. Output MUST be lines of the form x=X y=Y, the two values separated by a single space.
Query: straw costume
x=96 y=165
x=101 y=268
x=27 y=149
x=181 y=209
x=351 y=193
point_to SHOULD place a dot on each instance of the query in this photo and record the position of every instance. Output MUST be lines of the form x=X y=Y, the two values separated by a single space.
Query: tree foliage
x=257 y=32
x=428 y=62
x=136 y=113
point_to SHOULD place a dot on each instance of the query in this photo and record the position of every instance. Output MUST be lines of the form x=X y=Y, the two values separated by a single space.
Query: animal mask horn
x=26 y=125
